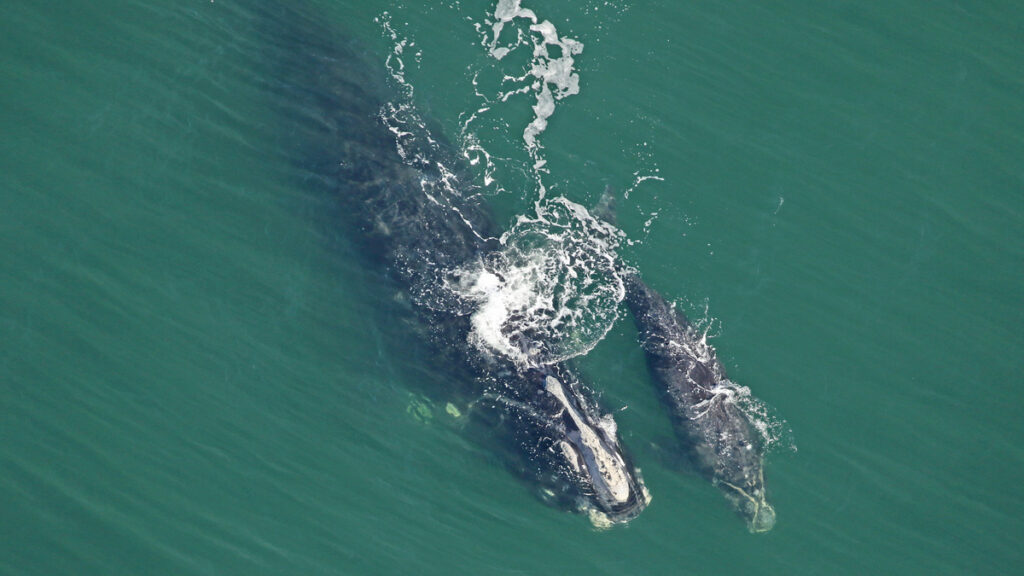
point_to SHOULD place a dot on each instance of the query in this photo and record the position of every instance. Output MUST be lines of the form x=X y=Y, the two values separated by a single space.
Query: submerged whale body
x=408 y=204
x=718 y=434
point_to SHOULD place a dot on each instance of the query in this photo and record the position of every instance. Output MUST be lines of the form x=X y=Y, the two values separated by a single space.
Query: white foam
x=552 y=292
x=413 y=140
x=553 y=289
x=774 y=431
x=548 y=78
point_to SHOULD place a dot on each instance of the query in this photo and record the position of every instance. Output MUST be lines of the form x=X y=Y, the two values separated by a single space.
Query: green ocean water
x=195 y=372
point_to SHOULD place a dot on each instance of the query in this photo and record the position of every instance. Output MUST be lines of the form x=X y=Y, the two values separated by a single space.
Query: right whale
x=719 y=436
x=408 y=203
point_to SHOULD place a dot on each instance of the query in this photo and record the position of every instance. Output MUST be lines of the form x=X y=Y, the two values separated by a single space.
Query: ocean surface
x=197 y=374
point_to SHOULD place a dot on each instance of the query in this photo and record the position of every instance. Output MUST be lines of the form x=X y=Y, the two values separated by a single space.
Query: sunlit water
x=200 y=374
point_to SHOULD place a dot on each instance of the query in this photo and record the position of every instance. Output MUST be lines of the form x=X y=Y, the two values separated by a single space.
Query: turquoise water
x=195 y=377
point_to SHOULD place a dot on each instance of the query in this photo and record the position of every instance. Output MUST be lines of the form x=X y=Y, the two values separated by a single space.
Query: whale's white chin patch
x=606 y=468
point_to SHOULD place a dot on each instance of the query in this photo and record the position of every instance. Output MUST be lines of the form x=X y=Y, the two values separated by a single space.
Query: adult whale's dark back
x=409 y=204
x=718 y=434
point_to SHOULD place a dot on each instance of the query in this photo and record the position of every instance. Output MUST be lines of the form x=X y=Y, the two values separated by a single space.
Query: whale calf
x=719 y=436
x=409 y=204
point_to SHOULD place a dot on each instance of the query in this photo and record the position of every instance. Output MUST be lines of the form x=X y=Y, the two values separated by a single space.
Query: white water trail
x=549 y=77
x=553 y=291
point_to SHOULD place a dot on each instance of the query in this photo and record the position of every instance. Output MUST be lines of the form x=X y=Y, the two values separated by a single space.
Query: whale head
x=751 y=502
x=611 y=490
x=740 y=476
x=732 y=453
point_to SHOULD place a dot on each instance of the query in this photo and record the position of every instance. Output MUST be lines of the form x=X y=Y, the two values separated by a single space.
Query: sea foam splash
x=553 y=77
x=549 y=77
x=774 y=430
x=552 y=292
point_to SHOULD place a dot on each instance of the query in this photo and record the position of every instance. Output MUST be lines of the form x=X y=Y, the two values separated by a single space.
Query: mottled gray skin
x=418 y=223
x=719 y=436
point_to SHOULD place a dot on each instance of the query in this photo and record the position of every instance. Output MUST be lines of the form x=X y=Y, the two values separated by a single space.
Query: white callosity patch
x=610 y=469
